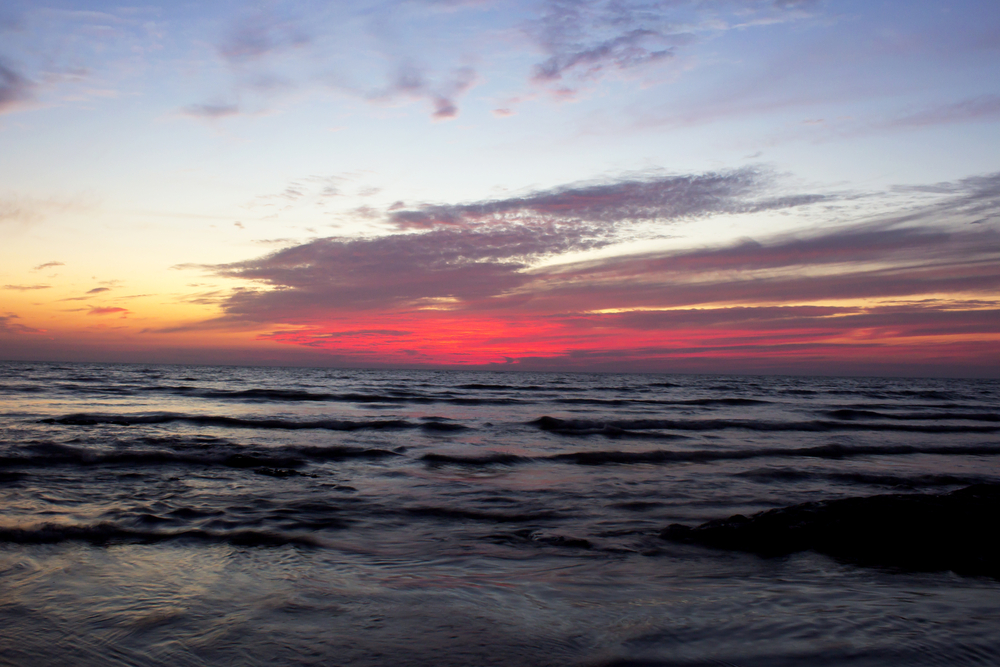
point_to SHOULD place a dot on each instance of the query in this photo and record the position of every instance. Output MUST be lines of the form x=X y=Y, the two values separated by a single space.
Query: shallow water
x=213 y=515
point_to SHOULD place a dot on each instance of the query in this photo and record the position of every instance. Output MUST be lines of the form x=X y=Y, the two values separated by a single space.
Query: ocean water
x=182 y=515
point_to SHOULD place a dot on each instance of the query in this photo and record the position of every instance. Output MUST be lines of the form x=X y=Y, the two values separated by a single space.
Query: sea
x=199 y=515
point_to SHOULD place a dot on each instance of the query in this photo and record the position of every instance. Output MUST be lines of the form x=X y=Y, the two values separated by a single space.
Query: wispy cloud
x=422 y=50
x=624 y=51
x=652 y=198
x=98 y=290
x=29 y=210
x=25 y=288
x=480 y=251
x=110 y=310
x=210 y=111
x=981 y=108
x=258 y=34
x=586 y=39
x=15 y=89
x=9 y=326
x=47 y=265
x=871 y=261
x=411 y=82
x=259 y=47
x=911 y=274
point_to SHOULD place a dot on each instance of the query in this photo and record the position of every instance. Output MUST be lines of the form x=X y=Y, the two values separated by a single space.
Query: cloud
x=868 y=261
x=271 y=55
x=983 y=107
x=25 y=288
x=9 y=326
x=435 y=52
x=915 y=278
x=27 y=210
x=586 y=39
x=260 y=34
x=479 y=252
x=107 y=311
x=98 y=290
x=654 y=198
x=15 y=89
x=210 y=111
x=399 y=270
x=47 y=265
x=622 y=52
x=412 y=82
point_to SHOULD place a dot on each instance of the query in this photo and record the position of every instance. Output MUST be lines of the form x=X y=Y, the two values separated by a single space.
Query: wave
x=582 y=427
x=644 y=427
x=528 y=536
x=851 y=413
x=474 y=515
x=926 y=394
x=102 y=534
x=443 y=426
x=262 y=395
x=661 y=456
x=832 y=451
x=49 y=454
x=24 y=389
x=651 y=401
x=87 y=419
x=478 y=386
x=484 y=460
x=868 y=479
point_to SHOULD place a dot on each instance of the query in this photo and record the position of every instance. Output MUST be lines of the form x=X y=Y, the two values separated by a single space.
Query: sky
x=690 y=186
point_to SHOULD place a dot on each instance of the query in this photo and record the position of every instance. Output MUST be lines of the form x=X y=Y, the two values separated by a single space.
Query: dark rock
x=958 y=531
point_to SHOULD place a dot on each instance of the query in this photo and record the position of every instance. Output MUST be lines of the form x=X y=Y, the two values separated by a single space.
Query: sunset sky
x=776 y=186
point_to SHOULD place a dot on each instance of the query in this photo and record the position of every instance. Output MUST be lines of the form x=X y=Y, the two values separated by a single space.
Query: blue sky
x=174 y=156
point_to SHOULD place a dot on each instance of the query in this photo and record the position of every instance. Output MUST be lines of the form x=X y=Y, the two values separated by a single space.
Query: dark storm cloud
x=658 y=198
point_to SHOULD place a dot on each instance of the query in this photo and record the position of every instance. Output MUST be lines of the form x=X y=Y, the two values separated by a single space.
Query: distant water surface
x=181 y=515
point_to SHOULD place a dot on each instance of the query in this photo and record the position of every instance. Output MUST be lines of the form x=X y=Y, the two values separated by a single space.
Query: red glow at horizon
x=460 y=340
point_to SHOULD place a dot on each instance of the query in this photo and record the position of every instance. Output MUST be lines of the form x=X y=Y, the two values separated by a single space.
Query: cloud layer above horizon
x=927 y=274
x=695 y=185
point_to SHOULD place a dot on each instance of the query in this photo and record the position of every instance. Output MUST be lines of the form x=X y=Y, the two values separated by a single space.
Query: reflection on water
x=195 y=605
x=176 y=515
